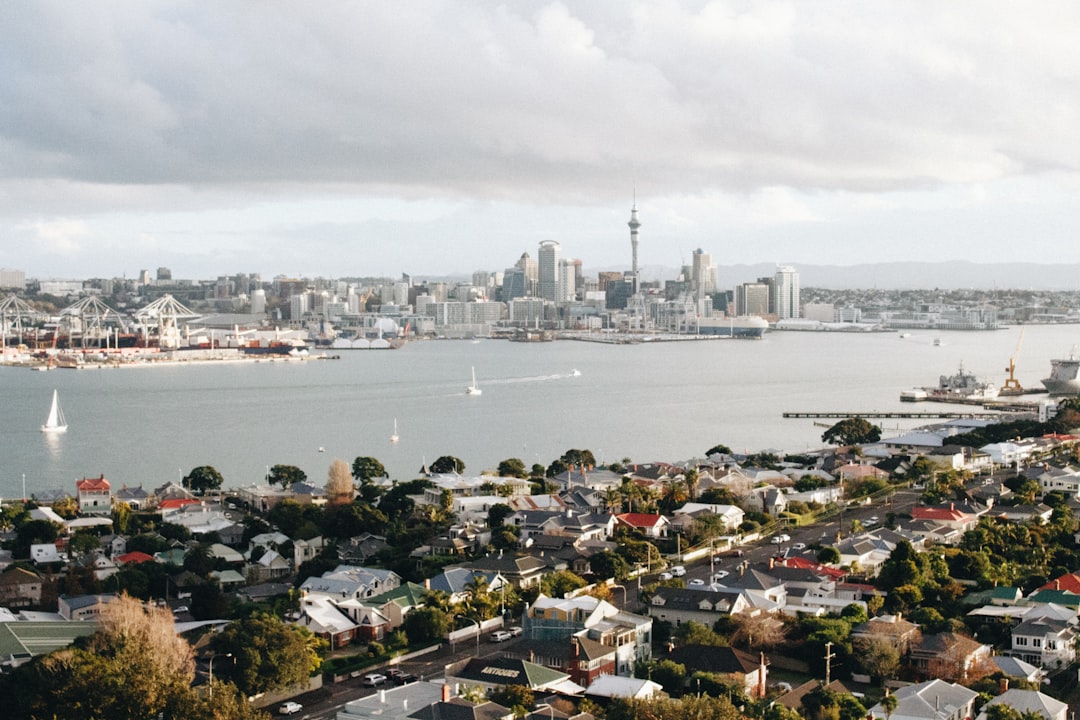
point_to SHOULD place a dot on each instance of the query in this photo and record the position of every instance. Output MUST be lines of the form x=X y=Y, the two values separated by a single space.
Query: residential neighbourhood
x=871 y=576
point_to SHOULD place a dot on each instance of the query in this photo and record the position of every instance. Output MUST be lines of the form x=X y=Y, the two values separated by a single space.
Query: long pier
x=884 y=415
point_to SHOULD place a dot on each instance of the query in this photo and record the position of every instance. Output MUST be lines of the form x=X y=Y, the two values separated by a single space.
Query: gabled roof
x=458 y=708
x=641 y=520
x=510 y=671
x=714 y=659
x=933 y=700
x=1069 y=582
x=135 y=557
x=1029 y=701
x=98 y=484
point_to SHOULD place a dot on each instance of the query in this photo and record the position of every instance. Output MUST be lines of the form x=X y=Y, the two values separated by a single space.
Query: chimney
x=1003 y=684
x=772 y=563
x=427 y=583
x=952 y=506
x=761 y=677
x=445 y=693
x=575 y=648
x=532 y=656
x=1057 y=584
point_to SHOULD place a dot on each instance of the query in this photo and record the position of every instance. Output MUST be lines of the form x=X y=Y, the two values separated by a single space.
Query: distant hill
x=904 y=275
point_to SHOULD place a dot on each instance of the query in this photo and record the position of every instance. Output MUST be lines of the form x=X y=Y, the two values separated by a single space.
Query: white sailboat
x=394 y=438
x=55 y=423
x=473 y=389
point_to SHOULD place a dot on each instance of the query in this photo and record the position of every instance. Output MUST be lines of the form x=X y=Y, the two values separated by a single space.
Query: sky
x=435 y=138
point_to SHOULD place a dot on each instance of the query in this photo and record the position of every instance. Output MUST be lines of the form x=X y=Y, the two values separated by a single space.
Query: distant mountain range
x=956 y=274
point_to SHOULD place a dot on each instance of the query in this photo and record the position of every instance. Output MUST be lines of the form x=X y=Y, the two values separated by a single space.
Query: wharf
x=831 y=414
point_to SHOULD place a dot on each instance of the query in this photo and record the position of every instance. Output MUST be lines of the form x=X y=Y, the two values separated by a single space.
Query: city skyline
x=439 y=139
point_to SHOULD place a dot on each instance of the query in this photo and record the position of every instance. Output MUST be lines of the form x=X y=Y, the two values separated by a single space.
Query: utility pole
x=829 y=655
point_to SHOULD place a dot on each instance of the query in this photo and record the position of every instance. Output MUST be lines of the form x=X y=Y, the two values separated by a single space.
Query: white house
x=931 y=700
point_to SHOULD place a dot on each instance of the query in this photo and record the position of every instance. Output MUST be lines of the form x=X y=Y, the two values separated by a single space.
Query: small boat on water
x=575 y=373
x=473 y=389
x=56 y=422
x=394 y=438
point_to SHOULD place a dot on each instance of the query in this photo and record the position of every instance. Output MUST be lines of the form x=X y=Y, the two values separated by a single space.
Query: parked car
x=776 y=539
x=290 y=708
x=394 y=673
x=678 y=570
x=180 y=609
x=404 y=678
x=515 y=630
x=373 y=679
x=499 y=636
x=873 y=520
x=720 y=575
x=798 y=546
x=666 y=576
x=696 y=581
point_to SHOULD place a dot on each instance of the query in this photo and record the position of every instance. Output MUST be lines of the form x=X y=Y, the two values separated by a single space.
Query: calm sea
x=664 y=401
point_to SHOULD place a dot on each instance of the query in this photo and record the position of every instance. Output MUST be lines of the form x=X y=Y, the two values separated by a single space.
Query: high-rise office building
x=532 y=273
x=786 y=289
x=548 y=261
x=752 y=299
x=702 y=274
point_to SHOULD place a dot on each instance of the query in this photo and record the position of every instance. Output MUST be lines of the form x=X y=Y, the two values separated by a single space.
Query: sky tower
x=634 y=225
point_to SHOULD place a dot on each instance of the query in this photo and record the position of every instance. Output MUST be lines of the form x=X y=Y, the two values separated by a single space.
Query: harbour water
x=647 y=402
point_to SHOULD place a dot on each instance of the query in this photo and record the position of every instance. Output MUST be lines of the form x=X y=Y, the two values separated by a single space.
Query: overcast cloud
x=355 y=138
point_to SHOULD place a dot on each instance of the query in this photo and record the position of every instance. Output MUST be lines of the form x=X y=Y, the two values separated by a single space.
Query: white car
x=666 y=576
x=798 y=546
x=373 y=679
x=499 y=636
x=696 y=581
x=290 y=708
x=678 y=570
x=720 y=575
x=873 y=520
x=777 y=539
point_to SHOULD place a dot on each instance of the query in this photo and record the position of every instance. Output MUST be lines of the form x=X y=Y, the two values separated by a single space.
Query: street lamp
x=217 y=655
x=477 y=624
x=623 y=588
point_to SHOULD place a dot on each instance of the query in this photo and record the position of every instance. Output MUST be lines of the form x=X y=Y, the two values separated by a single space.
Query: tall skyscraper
x=532 y=273
x=634 y=225
x=548 y=260
x=786 y=288
x=702 y=274
x=752 y=299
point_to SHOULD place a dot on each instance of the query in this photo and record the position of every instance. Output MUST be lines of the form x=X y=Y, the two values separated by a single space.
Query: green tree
x=559 y=583
x=512 y=467
x=828 y=555
x=514 y=697
x=426 y=624
x=135 y=666
x=269 y=654
x=852 y=431
x=286 y=475
x=608 y=564
x=121 y=516
x=203 y=478
x=718 y=449
x=670 y=674
x=368 y=468
x=497 y=513
x=448 y=464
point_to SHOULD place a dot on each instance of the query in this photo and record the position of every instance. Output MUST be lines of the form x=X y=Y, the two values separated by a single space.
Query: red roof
x=135 y=557
x=98 y=484
x=1070 y=582
x=176 y=503
x=1060 y=438
x=945 y=514
x=808 y=564
x=640 y=519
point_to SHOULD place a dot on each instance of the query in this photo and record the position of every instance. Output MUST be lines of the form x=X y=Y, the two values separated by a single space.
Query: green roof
x=41 y=638
x=408 y=594
x=1059 y=597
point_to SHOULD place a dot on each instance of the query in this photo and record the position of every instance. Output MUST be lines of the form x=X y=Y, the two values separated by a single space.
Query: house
x=891 y=629
x=931 y=700
x=397 y=703
x=491 y=673
x=20 y=588
x=951 y=656
x=1028 y=703
x=521 y=571
x=582 y=658
x=1064 y=479
x=957 y=516
x=648 y=524
x=1045 y=641
x=608 y=687
x=732 y=515
x=320 y=615
x=347 y=581
x=560 y=618
x=135 y=497
x=94 y=496
x=707 y=604
x=735 y=666
x=793 y=699
x=268 y=566
x=1038 y=514
x=459 y=708
x=459 y=582
x=82 y=607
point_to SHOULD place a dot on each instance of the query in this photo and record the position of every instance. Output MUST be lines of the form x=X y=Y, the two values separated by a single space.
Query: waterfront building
x=752 y=299
x=786 y=286
x=549 y=257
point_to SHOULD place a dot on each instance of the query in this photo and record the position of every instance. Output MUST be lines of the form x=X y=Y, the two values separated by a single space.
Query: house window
x=1036 y=642
x=1021 y=641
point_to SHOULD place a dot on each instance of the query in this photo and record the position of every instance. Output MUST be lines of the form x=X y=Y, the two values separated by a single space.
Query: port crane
x=1012 y=385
